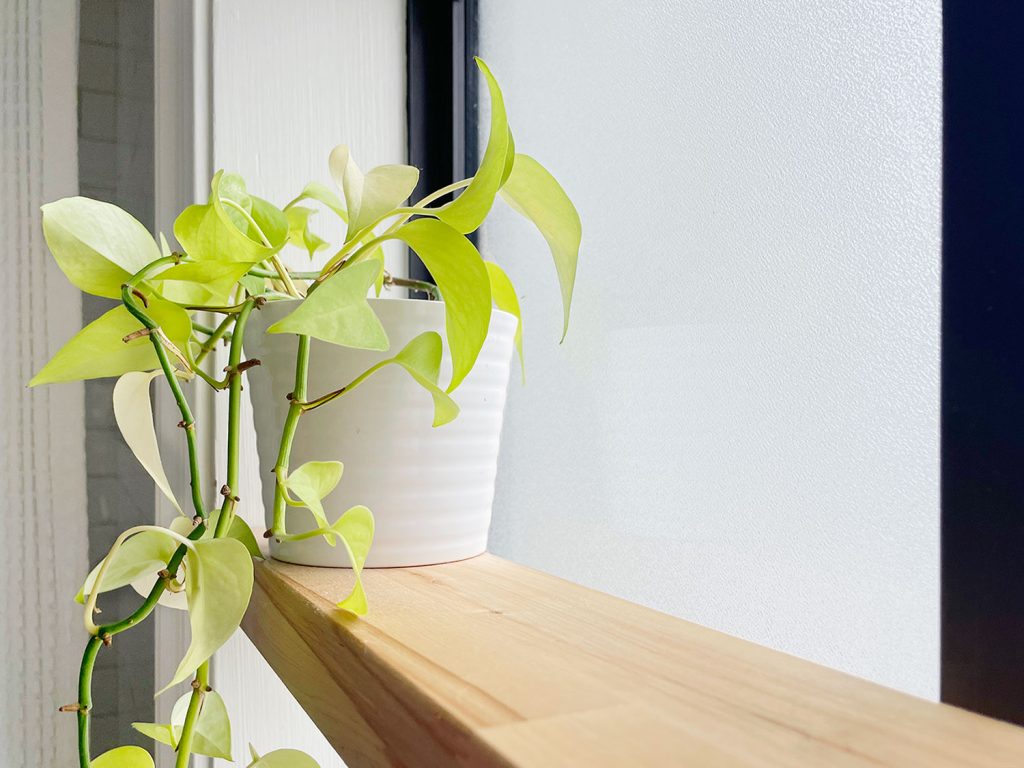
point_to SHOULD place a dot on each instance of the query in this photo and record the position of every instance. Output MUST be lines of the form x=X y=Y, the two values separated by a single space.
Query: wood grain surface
x=488 y=663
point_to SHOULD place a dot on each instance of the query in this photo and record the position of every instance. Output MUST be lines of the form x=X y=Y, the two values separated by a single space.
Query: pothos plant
x=229 y=265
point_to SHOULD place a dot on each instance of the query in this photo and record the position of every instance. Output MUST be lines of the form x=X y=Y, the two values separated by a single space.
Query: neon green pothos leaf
x=322 y=194
x=311 y=483
x=421 y=357
x=370 y=196
x=338 y=312
x=298 y=230
x=219 y=231
x=98 y=351
x=460 y=274
x=355 y=529
x=467 y=212
x=133 y=411
x=282 y=758
x=145 y=553
x=124 y=757
x=218 y=584
x=534 y=193
x=200 y=283
x=212 y=732
x=505 y=299
x=96 y=244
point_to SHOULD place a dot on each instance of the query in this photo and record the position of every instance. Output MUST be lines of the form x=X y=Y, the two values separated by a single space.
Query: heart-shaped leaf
x=96 y=244
x=98 y=350
x=534 y=193
x=460 y=274
x=124 y=757
x=504 y=295
x=311 y=483
x=212 y=732
x=467 y=212
x=370 y=196
x=218 y=584
x=133 y=411
x=338 y=312
x=282 y=758
x=200 y=283
x=221 y=229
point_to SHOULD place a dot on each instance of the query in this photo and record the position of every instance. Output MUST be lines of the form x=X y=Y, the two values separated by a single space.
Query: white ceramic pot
x=430 y=489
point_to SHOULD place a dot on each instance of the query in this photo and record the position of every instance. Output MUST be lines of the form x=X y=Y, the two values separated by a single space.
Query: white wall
x=742 y=426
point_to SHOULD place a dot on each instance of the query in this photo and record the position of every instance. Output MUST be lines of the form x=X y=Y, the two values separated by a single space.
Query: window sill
x=488 y=663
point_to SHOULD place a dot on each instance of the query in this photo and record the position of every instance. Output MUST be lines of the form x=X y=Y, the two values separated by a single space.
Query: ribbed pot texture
x=430 y=489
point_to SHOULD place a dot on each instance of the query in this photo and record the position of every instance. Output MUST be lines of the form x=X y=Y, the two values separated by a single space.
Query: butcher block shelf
x=488 y=663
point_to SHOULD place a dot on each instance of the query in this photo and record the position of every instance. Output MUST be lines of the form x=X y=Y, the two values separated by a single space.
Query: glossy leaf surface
x=355 y=529
x=212 y=732
x=96 y=244
x=534 y=193
x=460 y=274
x=467 y=212
x=144 y=554
x=124 y=757
x=337 y=311
x=98 y=350
x=200 y=283
x=371 y=195
x=218 y=584
x=311 y=483
x=504 y=295
x=133 y=411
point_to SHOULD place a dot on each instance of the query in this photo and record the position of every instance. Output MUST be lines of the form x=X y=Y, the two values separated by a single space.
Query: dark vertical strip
x=983 y=358
x=441 y=100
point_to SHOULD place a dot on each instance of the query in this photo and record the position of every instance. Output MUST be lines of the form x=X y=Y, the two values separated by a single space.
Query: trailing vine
x=229 y=264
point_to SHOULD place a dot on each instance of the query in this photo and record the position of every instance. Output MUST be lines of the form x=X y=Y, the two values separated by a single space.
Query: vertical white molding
x=42 y=465
x=287 y=88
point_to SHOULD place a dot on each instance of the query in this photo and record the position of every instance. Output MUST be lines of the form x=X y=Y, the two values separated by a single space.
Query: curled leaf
x=133 y=411
x=534 y=193
x=143 y=554
x=96 y=244
x=467 y=212
x=299 y=233
x=322 y=194
x=460 y=275
x=202 y=283
x=505 y=299
x=338 y=312
x=374 y=194
x=355 y=529
x=312 y=482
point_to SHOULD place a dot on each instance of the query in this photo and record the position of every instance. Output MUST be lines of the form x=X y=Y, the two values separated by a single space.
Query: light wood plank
x=488 y=663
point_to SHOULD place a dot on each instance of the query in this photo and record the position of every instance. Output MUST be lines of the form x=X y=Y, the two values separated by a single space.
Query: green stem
x=92 y=648
x=218 y=333
x=195 y=704
x=291 y=424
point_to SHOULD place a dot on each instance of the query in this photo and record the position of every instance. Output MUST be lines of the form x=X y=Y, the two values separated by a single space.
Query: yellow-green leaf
x=282 y=758
x=459 y=272
x=200 y=283
x=355 y=529
x=311 y=483
x=212 y=732
x=322 y=194
x=219 y=231
x=534 y=193
x=504 y=295
x=98 y=350
x=467 y=212
x=299 y=233
x=218 y=584
x=144 y=554
x=96 y=244
x=133 y=411
x=337 y=311
x=124 y=757
x=370 y=196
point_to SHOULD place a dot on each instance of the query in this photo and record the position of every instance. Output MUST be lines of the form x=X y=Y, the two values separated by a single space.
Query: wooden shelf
x=488 y=663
